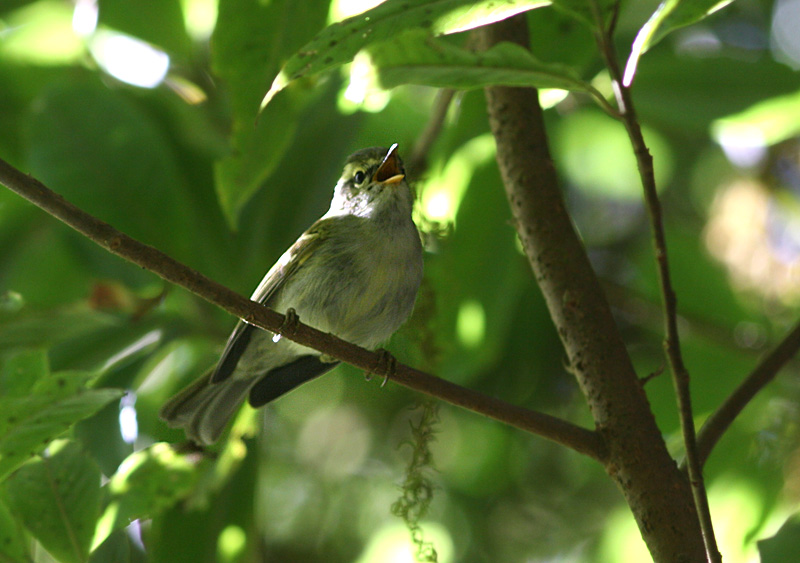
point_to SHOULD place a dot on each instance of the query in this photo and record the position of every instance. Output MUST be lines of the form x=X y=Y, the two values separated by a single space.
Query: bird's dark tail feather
x=203 y=409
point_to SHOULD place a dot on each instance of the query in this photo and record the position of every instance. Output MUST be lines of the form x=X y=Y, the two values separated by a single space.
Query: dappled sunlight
x=41 y=34
x=84 y=18
x=747 y=136
x=144 y=115
x=392 y=544
x=363 y=91
x=445 y=186
x=595 y=154
x=735 y=507
x=743 y=222
x=128 y=424
x=200 y=17
x=621 y=540
x=784 y=37
x=129 y=60
x=231 y=544
x=342 y=9
x=471 y=323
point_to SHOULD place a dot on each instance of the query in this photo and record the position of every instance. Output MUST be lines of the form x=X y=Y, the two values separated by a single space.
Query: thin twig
x=671 y=341
x=764 y=373
x=659 y=496
x=418 y=161
x=579 y=439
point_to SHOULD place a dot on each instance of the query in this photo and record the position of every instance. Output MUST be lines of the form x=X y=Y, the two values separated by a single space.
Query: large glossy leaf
x=416 y=57
x=101 y=151
x=338 y=43
x=251 y=40
x=669 y=16
x=31 y=328
x=57 y=498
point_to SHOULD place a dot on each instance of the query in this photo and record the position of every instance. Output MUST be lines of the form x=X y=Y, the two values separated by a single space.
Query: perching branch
x=680 y=375
x=764 y=373
x=579 y=439
x=657 y=493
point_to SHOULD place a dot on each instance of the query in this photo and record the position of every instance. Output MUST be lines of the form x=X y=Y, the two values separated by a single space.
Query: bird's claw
x=290 y=320
x=386 y=364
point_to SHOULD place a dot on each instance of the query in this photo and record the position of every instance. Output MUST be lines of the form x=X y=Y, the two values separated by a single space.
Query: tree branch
x=680 y=375
x=763 y=374
x=579 y=439
x=658 y=494
x=417 y=163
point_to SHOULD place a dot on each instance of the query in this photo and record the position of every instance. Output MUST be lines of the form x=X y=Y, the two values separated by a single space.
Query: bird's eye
x=359 y=177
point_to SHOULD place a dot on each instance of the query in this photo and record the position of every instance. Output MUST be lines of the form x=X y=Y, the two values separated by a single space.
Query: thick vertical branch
x=656 y=491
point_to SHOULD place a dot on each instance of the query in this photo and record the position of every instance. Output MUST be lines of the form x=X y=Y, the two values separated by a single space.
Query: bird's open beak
x=389 y=172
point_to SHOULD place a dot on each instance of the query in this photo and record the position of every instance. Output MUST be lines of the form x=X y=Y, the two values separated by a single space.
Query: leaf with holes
x=338 y=43
x=53 y=404
x=13 y=539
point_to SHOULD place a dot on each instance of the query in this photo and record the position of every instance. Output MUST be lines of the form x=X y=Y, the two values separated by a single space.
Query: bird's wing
x=283 y=379
x=283 y=269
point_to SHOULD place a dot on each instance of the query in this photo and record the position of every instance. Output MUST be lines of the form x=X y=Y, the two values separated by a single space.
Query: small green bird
x=355 y=273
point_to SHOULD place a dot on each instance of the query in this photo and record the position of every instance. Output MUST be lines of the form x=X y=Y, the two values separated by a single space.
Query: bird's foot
x=290 y=320
x=386 y=365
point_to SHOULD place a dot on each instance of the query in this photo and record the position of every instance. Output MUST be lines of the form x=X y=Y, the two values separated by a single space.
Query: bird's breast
x=360 y=286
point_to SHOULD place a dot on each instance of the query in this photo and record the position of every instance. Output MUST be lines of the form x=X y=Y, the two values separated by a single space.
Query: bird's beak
x=389 y=172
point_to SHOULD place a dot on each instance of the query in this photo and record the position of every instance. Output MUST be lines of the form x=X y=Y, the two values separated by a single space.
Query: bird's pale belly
x=361 y=301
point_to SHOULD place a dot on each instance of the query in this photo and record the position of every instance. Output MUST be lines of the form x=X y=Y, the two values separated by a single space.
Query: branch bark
x=579 y=439
x=656 y=491
x=672 y=347
x=764 y=373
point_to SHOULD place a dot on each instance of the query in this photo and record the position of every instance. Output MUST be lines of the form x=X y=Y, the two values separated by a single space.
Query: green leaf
x=416 y=57
x=105 y=154
x=251 y=40
x=31 y=328
x=13 y=541
x=784 y=546
x=20 y=369
x=57 y=498
x=586 y=11
x=146 y=483
x=774 y=119
x=160 y=23
x=338 y=43
x=669 y=16
x=54 y=403
x=595 y=156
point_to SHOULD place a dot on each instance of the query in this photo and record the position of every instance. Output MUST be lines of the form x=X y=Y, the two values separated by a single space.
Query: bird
x=354 y=273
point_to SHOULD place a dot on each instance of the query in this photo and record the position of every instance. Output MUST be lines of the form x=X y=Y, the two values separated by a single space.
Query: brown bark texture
x=658 y=494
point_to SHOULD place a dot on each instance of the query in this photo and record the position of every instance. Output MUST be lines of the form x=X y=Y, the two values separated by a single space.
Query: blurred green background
x=144 y=114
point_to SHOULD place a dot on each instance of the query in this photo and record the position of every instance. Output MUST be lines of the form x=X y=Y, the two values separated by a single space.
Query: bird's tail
x=203 y=408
